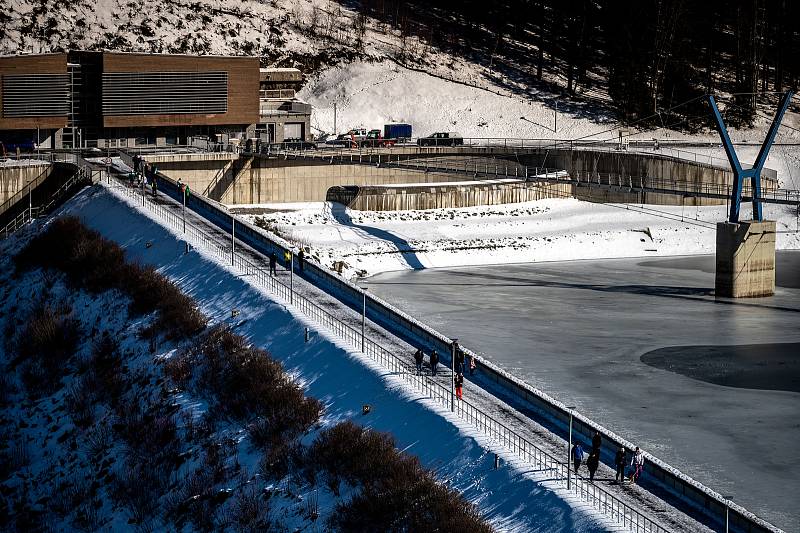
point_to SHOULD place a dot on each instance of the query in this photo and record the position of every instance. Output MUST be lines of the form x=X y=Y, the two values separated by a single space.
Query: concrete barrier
x=678 y=489
x=445 y=195
x=14 y=179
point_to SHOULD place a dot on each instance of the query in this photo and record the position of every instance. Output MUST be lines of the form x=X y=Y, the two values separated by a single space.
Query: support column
x=745 y=259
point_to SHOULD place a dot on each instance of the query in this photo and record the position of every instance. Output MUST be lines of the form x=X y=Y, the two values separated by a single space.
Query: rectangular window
x=165 y=93
x=35 y=95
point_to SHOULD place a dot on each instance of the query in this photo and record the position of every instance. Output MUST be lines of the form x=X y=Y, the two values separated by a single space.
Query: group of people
x=593 y=460
x=143 y=174
x=419 y=359
x=287 y=261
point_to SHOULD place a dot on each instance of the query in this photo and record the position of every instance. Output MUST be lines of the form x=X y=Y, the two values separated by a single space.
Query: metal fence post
x=454 y=349
x=233 y=238
x=184 y=210
x=569 y=446
x=363 y=318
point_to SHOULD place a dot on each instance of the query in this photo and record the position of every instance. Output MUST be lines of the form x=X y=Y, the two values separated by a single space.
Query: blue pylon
x=754 y=173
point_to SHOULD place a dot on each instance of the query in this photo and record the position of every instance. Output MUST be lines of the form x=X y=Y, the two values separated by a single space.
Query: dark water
x=774 y=366
x=643 y=347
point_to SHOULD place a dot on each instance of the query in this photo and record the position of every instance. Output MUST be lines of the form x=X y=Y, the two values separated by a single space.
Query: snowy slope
x=512 y=499
x=544 y=230
x=307 y=33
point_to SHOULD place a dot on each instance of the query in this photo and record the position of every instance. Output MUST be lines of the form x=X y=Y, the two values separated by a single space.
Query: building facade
x=109 y=100
x=282 y=117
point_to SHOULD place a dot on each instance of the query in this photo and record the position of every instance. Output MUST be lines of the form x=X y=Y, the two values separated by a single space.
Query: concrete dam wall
x=411 y=196
x=253 y=180
x=248 y=179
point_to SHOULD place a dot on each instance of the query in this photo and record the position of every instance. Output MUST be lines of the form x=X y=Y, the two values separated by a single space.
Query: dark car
x=444 y=138
x=298 y=144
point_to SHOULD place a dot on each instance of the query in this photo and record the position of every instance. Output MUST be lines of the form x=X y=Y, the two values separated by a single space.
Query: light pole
x=569 y=446
x=453 y=375
x=233 y=238
x=555 y=118
x=727 y=512
x=291 y=277
x=184 y=210
x=363 y=318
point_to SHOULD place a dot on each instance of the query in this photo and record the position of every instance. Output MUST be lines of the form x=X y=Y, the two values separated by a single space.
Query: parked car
x=375 y=139
x=298 y=144
x=340 y=140
x=351 y=139
x=357 y=134
x=445 y=138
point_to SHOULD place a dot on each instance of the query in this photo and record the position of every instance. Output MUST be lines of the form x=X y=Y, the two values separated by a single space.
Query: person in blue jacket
x=577 y=455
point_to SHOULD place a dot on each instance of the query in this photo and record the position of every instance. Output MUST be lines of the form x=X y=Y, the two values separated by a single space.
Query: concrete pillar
x=745 y=259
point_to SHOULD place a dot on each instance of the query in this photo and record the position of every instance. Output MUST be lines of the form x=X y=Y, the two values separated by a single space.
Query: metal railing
x=596 y=496
x=83 y=174
x=282 y=94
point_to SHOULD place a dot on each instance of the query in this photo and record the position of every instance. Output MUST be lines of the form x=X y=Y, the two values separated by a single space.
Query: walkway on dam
x=667 y=518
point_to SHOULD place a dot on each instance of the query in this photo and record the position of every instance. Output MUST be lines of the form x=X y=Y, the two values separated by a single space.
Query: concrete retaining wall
x=670 y=484
x=260 y=179
x=271 y=180
x=445 y=195
x=14 y=179
x=588 y=164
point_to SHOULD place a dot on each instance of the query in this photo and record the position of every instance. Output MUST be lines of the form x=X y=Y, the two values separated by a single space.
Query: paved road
x=579 y=331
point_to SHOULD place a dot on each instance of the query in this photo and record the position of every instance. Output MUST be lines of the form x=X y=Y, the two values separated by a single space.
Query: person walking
x=154 y=185
x=459 y=385
x=592 y=463
x=577 y=455
x=434 y=361
x=287 y=257
x=472 y=365
x=419 y=356
x=637 y=462
x=459 y=361
x=619 y=463
x=273 y=261
x=597 y=441
x=300 y=257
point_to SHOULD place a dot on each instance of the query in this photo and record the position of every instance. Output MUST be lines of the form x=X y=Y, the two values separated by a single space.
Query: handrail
x=83 y=173
x=27 y=189
x=600 y=499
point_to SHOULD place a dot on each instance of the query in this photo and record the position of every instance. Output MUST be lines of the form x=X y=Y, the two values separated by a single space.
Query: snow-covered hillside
x=305 y=33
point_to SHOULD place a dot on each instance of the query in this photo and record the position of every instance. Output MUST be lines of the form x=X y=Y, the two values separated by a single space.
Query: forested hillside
x=645 y=56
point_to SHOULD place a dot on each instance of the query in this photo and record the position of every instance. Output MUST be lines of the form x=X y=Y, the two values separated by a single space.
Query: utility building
x=282 y=116
x=85 y=99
